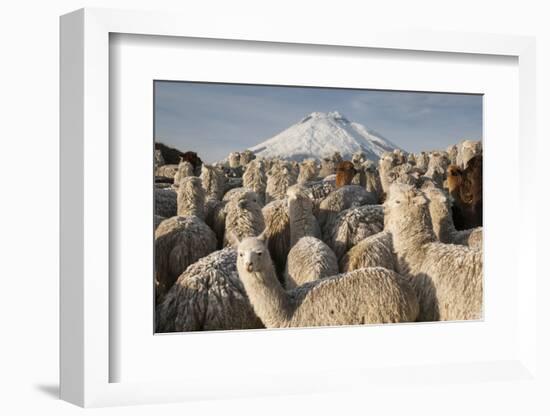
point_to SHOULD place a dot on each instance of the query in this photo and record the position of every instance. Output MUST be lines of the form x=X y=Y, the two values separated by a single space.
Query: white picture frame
x=86 y=356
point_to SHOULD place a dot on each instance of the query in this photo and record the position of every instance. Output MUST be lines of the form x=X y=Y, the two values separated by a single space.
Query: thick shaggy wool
x=308 y=260
x=213 y=181
x=215 y=218
x=437 y=167
x=447 y=277
x=300 y=211
x=208 y=296
x=442 y=221
x=246 y=157
x=185 y=169
x=255 y=178
x=191 y=197
x=348 y=196
x=158 y=219
x=234 y=159
x=237 y=193
x=179 y=242
x=374 y=251
x=328 y=167
x=358 y=158
x=233 y=183
x=159 y=159
x=243 y=218
x=467 y=149
x=279 y=180
x=372 y=180
x=421 y=161
x=317 y=192
x=452 y=151
x=351 y=226
x=167 y=171
x=387 y=162
x=277 y=232
x=166 y=202
x=366 y=296
x=308 y=171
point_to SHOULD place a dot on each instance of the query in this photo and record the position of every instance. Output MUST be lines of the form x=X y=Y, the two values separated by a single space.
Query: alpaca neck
x=411 y=230
x=268 y=298
x=442 y=222
x=299 y=212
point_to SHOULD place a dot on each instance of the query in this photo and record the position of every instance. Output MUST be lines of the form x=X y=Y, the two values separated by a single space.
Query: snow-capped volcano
x=320 y=135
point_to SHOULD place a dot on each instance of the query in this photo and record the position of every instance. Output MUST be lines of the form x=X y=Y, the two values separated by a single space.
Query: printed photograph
x=289 y=206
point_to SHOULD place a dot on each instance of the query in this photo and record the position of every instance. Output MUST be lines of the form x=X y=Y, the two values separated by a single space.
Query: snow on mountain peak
x=319 y=135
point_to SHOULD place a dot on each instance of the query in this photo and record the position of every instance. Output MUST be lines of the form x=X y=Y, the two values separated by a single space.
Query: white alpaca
x=447 y=278
x=234 y=159
x=280 y=177
x=467 y=149
x=309 y=258
x=308 y=171
x=328 y=167
x=255 y=178
x=208 y=296
x=437 y=167
x=442 y=221
x=243 y=218
x=246 y=157
x=372 y=180
x=191 y=197
x=185 y=169
x=373 y=251
x=365 y=296
x=347 y=196
x=300 y=211
x=179 y=242
x=351 y=226
x=166 y=202
x=166 y=171
x=213 y=181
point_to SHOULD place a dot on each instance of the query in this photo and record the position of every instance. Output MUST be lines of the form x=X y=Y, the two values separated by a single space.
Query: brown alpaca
x=454 y=180
x=345 y=171
x=471 y=192
x=466 y=188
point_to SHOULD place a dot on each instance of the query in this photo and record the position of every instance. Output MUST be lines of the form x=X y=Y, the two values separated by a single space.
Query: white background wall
x=29 y=206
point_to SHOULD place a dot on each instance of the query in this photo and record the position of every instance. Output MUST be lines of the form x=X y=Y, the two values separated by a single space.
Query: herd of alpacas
x=271 y=243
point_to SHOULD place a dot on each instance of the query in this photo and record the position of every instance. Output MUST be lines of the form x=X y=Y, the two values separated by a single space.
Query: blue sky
x=215 y=119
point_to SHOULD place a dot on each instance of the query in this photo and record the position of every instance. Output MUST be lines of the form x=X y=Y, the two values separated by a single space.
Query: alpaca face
x=252 y=254
x=454 y=178
x=402 y=199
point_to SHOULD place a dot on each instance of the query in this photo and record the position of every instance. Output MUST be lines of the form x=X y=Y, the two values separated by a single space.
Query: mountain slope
x=321 y=134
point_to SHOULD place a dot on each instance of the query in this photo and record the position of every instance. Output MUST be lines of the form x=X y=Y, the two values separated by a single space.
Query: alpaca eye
x=240 y=254
x=259 y=253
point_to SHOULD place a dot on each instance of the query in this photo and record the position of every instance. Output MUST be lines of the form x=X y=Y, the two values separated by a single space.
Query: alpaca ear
x=419 y=200
x=233 y=238
x=262 y=236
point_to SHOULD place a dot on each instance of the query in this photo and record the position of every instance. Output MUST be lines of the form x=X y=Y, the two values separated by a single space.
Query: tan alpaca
x=366 y=296
x=345 y=172
x=309 y=258
x=207 y=296
x=448 y=278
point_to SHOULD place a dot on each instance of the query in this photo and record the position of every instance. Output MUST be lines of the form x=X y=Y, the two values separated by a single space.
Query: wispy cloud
x=214 y=119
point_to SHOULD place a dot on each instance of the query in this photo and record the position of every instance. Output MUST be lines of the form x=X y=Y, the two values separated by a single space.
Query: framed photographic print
x=227 y=198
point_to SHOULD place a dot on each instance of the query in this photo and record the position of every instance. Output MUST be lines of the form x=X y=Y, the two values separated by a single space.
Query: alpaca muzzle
x=249 y=267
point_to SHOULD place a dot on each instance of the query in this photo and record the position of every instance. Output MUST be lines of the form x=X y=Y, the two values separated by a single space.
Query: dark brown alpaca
x=345 y=171
x=173 y=156
x=466 y=188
